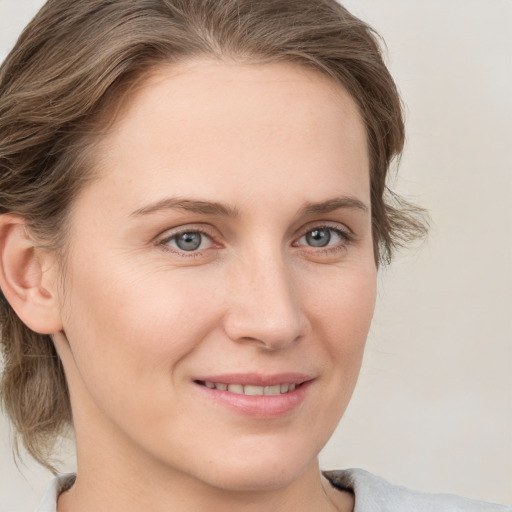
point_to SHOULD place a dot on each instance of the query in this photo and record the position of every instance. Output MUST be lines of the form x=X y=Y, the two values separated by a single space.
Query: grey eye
x=190 y=241
x=318 y=237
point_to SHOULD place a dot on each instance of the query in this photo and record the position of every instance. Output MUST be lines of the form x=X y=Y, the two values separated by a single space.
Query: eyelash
x=346 y=239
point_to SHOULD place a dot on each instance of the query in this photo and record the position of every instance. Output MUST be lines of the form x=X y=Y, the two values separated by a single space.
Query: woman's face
x=222 y=258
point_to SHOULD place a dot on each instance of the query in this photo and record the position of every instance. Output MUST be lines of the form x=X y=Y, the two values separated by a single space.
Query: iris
x=188 y=241
x=318 y=237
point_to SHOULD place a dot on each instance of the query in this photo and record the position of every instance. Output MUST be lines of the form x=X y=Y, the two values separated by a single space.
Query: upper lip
x=257 y=379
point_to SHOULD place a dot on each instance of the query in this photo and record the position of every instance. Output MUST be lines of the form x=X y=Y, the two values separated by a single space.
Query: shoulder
x=375 y=494
x=59 y=484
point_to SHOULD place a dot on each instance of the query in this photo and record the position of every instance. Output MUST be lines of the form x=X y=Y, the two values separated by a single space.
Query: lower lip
x=259 y=406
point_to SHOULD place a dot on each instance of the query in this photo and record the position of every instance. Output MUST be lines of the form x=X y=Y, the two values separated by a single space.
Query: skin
x=141 y=318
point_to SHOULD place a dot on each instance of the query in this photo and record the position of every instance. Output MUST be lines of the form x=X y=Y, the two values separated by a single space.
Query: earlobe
x=30 y=290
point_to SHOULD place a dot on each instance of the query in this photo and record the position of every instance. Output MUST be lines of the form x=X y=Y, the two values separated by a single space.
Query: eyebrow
x=336 y=203
x=189 y=205
x=214 y=208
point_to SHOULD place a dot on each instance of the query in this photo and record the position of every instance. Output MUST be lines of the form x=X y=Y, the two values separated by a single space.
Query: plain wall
x=433 y=407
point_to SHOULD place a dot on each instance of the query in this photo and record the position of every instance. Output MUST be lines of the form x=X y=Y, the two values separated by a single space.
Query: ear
x=28 y=277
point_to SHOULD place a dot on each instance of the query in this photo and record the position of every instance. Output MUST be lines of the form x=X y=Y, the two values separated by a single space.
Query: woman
x=193 y=213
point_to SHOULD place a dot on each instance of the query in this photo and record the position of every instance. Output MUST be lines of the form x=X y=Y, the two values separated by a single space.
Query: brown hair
x=71 y=67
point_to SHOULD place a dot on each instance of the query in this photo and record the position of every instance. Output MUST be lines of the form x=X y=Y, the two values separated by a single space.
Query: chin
x=266 y=470
x=255 y=480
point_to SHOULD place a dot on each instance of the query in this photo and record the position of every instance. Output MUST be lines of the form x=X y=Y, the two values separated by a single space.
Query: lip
x=257 y=406
x=257 y=379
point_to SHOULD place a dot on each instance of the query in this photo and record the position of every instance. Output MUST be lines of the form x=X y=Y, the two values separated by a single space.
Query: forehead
x=205 y=82
x=205 y=122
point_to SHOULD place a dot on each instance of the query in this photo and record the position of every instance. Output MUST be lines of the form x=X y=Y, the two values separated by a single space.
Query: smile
x=249 y=389
x=255 y=395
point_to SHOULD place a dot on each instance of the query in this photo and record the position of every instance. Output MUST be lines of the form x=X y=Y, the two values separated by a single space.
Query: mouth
x=257 y=396
x=250 y=389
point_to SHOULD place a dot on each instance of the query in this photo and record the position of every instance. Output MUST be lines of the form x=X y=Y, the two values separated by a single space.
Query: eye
x=188 y=241
x=318 y=237
x=324 y=237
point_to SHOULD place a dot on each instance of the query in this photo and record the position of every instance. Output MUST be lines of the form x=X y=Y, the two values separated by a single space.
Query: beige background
x=433 y=407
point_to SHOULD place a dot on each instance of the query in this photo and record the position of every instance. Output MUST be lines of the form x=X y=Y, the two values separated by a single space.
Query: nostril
x=266 y=331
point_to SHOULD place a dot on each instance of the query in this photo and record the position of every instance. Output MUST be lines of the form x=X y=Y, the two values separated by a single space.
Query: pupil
x=318 y=237
x=188 y=241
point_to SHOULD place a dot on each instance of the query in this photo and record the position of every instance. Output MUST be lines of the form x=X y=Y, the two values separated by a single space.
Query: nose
x=265 y=305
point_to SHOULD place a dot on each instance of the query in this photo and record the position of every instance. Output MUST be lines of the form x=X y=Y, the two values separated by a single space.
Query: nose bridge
x=265 y=306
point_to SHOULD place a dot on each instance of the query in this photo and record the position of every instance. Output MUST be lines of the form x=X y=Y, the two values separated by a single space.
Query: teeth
x=236 y=388
x=251 y=390
x=272 y=390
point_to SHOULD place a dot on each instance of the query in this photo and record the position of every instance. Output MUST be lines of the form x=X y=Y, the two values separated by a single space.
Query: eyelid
x=335 y=226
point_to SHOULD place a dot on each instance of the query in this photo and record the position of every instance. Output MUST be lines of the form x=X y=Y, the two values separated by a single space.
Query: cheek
x=341 y=310
x=342 y=304
x=129 y=335
x=123 y=324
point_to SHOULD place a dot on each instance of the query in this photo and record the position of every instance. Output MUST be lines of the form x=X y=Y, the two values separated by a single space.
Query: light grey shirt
x=372 y=494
